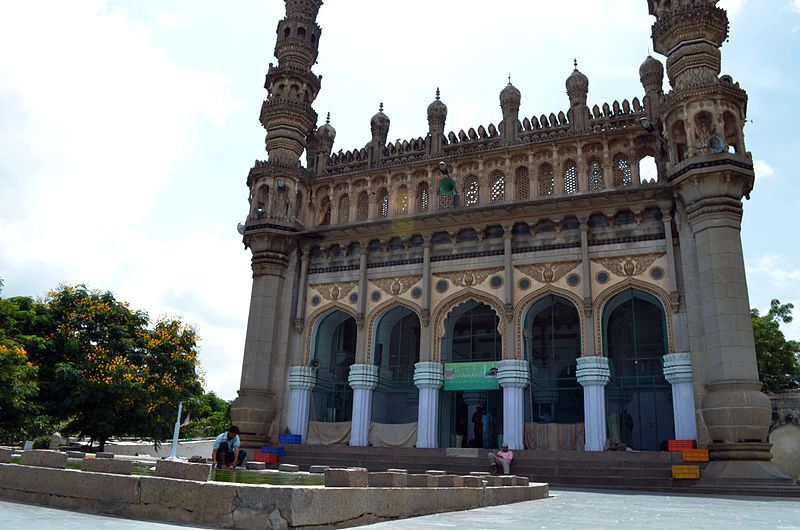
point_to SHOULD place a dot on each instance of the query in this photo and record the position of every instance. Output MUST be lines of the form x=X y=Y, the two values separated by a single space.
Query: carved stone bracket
x=587 y=307
x=674 y=301
x=396 y=286
x=468 y=278
x=425 y=317
x=625 y=266
x=509 y=309
x=299 y=323
x=360 y=320
x=548 y=272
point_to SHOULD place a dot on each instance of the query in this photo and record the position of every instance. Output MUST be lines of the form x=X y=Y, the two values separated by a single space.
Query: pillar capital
x=302 y=377
x=363 y=376
x=513 y=373
x=428 y=374
x=678 y=367
x=593 y=371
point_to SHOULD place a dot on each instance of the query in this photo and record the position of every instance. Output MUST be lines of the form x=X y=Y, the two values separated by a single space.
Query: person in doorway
x=477 y=424
x=503 y=457
x=227 y=452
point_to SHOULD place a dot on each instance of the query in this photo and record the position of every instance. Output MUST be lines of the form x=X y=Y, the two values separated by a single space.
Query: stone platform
x=248 y=506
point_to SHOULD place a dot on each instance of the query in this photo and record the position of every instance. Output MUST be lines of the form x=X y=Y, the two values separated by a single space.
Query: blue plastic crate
x=280 y=451
x=290 y=438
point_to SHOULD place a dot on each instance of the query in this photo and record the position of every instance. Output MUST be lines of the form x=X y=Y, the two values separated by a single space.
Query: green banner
x=480 y=375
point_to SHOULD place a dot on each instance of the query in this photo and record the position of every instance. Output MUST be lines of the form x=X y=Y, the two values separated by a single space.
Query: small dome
x=577 y=82
x=651 y=66
x=380 y=120
x=326 y=131
x=437 y=108
x=510 y=94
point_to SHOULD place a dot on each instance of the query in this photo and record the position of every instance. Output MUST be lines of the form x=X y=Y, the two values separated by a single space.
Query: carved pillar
x=300 y=313
x=508 y=343
x=593 y=374
x=361 y=337
x=678 y=371
x=426 y=333
x=363 y=379
x=428 y=377
x=301 y=382
x=512 y=374
x=586 y=268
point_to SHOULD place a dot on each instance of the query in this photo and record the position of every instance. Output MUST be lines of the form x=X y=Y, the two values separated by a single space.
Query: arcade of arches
x=552 y=397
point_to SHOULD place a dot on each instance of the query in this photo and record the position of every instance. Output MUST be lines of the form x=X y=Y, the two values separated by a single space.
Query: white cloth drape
x=393 y=435
x=328 y=433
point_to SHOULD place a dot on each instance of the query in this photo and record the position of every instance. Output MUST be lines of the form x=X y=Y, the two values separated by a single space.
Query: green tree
x=110 y=374
x=211 y=415
x=778 y=358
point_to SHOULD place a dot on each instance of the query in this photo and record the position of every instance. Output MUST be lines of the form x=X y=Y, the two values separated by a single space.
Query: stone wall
x=241 y=505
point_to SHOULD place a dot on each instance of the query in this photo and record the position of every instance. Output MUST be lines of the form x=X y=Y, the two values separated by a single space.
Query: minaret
x=578 y=91
x=510 y=98
x=278 y=189
x=437 y=114
x=651 y=74
x=379 y=125
x=702 y=120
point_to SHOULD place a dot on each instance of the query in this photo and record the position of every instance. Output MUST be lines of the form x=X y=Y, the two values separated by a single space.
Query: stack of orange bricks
x=690 y=453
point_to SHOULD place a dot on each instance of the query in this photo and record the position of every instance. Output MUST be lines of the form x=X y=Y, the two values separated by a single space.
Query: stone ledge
x=44 y=458
x=387 y=480
x=116 y=467
x=183 y=470
x=5 y=455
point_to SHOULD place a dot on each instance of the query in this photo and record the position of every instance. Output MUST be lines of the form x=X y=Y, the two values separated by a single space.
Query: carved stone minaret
x=510 y=99
x=702 y=120
x=578 y=91
x=651 y=74
x=379 y=125
x=278 y=190
x=437 y=114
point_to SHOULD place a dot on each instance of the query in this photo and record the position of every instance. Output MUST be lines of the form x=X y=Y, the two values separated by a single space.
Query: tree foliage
x=211 y=415
x=778 y=358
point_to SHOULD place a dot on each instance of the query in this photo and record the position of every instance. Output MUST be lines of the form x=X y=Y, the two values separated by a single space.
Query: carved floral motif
x=334 y=291
x=625 y=266
x=396 y=286
x=547 y=272
x=468 y=278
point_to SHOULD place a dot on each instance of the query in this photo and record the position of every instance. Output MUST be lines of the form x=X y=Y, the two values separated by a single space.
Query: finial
x=328 y=119
x=437 y=93
x=380 y=109
x=509 y=78
x=575 y=62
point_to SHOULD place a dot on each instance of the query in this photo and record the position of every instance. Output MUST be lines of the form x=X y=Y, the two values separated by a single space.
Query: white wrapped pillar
x=678 y=371
x=428 y=377
x=301 y=382
x=363 y=379
x=512 y=374
x=593 y=374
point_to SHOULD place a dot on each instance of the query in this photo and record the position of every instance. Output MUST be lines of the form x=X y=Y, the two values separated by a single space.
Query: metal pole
x=172 y=455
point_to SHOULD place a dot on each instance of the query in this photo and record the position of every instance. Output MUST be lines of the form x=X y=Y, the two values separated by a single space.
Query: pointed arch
x=524 y=305
x=446 y=306
x=362 y=206
x=622 y=171
x=313 y=320
x=522 y=183
x=401 y=200
x=596 y=181
x=378 y=311
x=423 y=197
x=497 y=189
x=382 y=202
x=546 y=179
x=472 y=188
x=570 y=177
x=344 y=209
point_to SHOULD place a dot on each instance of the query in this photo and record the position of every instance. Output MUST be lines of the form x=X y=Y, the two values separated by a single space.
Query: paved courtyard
x=565 y=509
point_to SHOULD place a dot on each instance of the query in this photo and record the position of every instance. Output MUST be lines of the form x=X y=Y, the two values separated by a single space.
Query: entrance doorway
x=472 y=418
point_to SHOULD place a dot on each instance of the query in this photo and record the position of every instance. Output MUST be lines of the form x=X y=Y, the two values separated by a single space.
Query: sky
x=127 y=128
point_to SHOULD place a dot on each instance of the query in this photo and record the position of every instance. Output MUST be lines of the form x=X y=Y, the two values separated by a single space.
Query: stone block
x=196 y=503
x=450 y=481
x=387 y=480
x=44 y=458
x=257 y=466
x=5 y=455
x=479 y=473
x=352 y=477
x=183 y=470
x=397 y=471
x=472 y=481
x=521 y=481
x=492 y=480
x=317 y=469
x=506 y=480
x=435 y=472
x=289 y=468
x=101 y=454
x=107 y=465
x=420 y=481
x=76 y=454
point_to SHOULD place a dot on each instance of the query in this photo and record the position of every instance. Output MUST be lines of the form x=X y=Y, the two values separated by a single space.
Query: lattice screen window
x=570 y=177
x=522 y=183
x=402 y=200
x=344 y=209
x=445 y=201
x=325 y=212
x=362 y=208
x=422 y=197
x=596 y=175
x=622 y=171
x=471 y=191
x=383 y=203
x=498 y=189
x=547 y=182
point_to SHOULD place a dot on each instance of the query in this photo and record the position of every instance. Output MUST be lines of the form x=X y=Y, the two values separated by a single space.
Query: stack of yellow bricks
x=690 y=471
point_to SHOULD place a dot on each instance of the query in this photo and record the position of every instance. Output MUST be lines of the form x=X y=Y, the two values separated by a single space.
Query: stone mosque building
x=519 y=282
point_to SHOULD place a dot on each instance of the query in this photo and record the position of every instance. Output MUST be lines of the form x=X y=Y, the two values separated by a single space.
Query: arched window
x=570 y=177
x=639 y=398
x=325 y=211
x=648 y=170
x=383 y=202
x=344 y=209
x=679 y=140
x=522 y=183
x=362 y=207
x=546 y=179
x=596 y=181
x=471 y=334
x=395 y=351
x=498 y=188
x=423 y=197
x=402 y=201
x=445 y=201
x=622 y=171
x=335 y=349
x=471 y=191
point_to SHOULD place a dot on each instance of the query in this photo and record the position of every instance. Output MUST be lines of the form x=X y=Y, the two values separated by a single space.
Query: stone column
x=301 y=381
x=586 y=269
x=426 y=332
x=512 y=374
x=428 y=377
x=678 y=371
x=300 y=312
x=363 y=379
x=508 y=298
x=593 y=374
x=361 y=311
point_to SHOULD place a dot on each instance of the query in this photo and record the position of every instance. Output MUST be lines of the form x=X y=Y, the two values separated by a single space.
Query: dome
x=652 y=67
x=380 y=120
x=326 y=131
x=437 y=109
x=577 y=82
x=510 y=95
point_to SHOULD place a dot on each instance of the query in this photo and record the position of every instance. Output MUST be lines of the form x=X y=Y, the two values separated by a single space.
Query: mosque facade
x=524 y=282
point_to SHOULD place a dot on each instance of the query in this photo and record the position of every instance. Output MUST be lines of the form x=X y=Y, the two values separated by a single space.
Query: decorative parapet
x=363 y=376
x=513 y=373
x=428 y=375
x=678 y=368
x=593 y=370
x=302 y=377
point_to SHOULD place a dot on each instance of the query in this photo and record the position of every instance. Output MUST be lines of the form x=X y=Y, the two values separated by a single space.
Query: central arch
x=335 y=350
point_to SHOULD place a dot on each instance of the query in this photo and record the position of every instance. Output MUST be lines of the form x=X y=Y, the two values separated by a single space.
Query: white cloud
x=772 y=267
x=796 y=6
x=733 y=6
x=762 y=169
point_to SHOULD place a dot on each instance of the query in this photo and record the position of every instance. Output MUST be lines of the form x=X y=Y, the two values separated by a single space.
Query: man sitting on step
x=503 y=457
